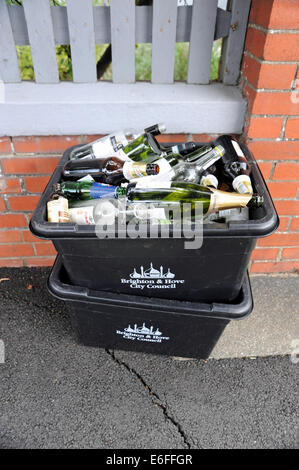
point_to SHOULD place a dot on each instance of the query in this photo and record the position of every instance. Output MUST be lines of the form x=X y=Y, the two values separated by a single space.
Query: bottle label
x=58 y=210
x=87 y=178
x=134 y=170
x=101 y=190
x=153 y=182
x=238 y=149
x=82 y=215
x=110 y=146
x=116 y=145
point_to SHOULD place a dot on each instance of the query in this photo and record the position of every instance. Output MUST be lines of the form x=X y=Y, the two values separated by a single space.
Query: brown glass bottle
x=110 y=170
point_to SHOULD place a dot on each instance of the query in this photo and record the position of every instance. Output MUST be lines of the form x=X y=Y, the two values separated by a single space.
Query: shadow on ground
x=58 y=394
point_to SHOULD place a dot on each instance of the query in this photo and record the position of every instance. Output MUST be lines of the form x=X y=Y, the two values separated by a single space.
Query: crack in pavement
x=154 y=397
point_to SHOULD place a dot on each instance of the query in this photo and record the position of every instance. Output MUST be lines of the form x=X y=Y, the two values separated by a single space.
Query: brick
x=28 y=165
x=290 y=253
x=266 y=169
x=271 y=76
x=281 y=14
x=265 y=127
x=5 y=145
x=260 y=12
x=271 y=150
x=45 y=249
x=287 y=207
x=11 y=263
x=45 y=144
x=29 y=237
x=292 y=128
x=280 y=239
x=10 y=185
x=255 y=42
x=284 y=14
x=13 y=220
x=36 y=184
x=10 y=236
x=23 y=203
x=204 y=137
x=39 y=261
x=172 y=138
x=283 y=224
x=273 y=103
x=282 y=47
x=294 y=226
x=2 y=205
x=276 y=76
x=11 y=251
x=286 y=171
x=250 y=94
x=90 y=138
x=279 y=267
x=265 y=253
x=277 y=47
x=283 y=190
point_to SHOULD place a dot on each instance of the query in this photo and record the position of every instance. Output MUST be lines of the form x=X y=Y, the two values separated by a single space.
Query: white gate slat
x=163 y=41
x=201 y=40
x=9 y=68
x=41 y=38
x=101 y=18
x=82 y=40
x=233 y=45
x=123 y=40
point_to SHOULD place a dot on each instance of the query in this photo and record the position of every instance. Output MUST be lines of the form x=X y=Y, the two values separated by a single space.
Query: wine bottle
x=111 y=170
x=212 y=200
x=235 y=167
x=116 y=144
x=189 y=168
x=106 y=211
x=87 y=190
x=57 y=209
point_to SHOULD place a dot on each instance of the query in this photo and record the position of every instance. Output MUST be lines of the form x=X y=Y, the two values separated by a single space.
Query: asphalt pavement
x=58 y=394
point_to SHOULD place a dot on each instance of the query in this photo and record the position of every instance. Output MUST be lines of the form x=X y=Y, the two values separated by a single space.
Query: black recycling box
x=149 y=325
x=160 y=267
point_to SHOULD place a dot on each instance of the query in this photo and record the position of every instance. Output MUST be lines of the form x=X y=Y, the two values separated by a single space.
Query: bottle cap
x=209 y=180
x=242 y=184
x=161 y=127
x=152 y=169
x=57 y=188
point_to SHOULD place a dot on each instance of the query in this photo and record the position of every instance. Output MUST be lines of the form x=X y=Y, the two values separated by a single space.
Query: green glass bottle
x=147 y=149
x=212 y=200
x=86 y=190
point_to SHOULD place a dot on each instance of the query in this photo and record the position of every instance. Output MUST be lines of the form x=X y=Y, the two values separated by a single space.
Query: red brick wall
x=268 y=81
x=26 y=166
x=269 y=74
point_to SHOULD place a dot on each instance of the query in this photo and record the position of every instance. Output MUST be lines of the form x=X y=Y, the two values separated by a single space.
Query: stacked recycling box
x=157 y=295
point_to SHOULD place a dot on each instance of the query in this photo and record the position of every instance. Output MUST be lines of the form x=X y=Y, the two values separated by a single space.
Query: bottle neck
x=224 y=200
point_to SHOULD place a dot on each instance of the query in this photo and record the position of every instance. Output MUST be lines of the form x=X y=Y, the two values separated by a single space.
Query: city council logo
x=142 y=333
x=152 y=278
